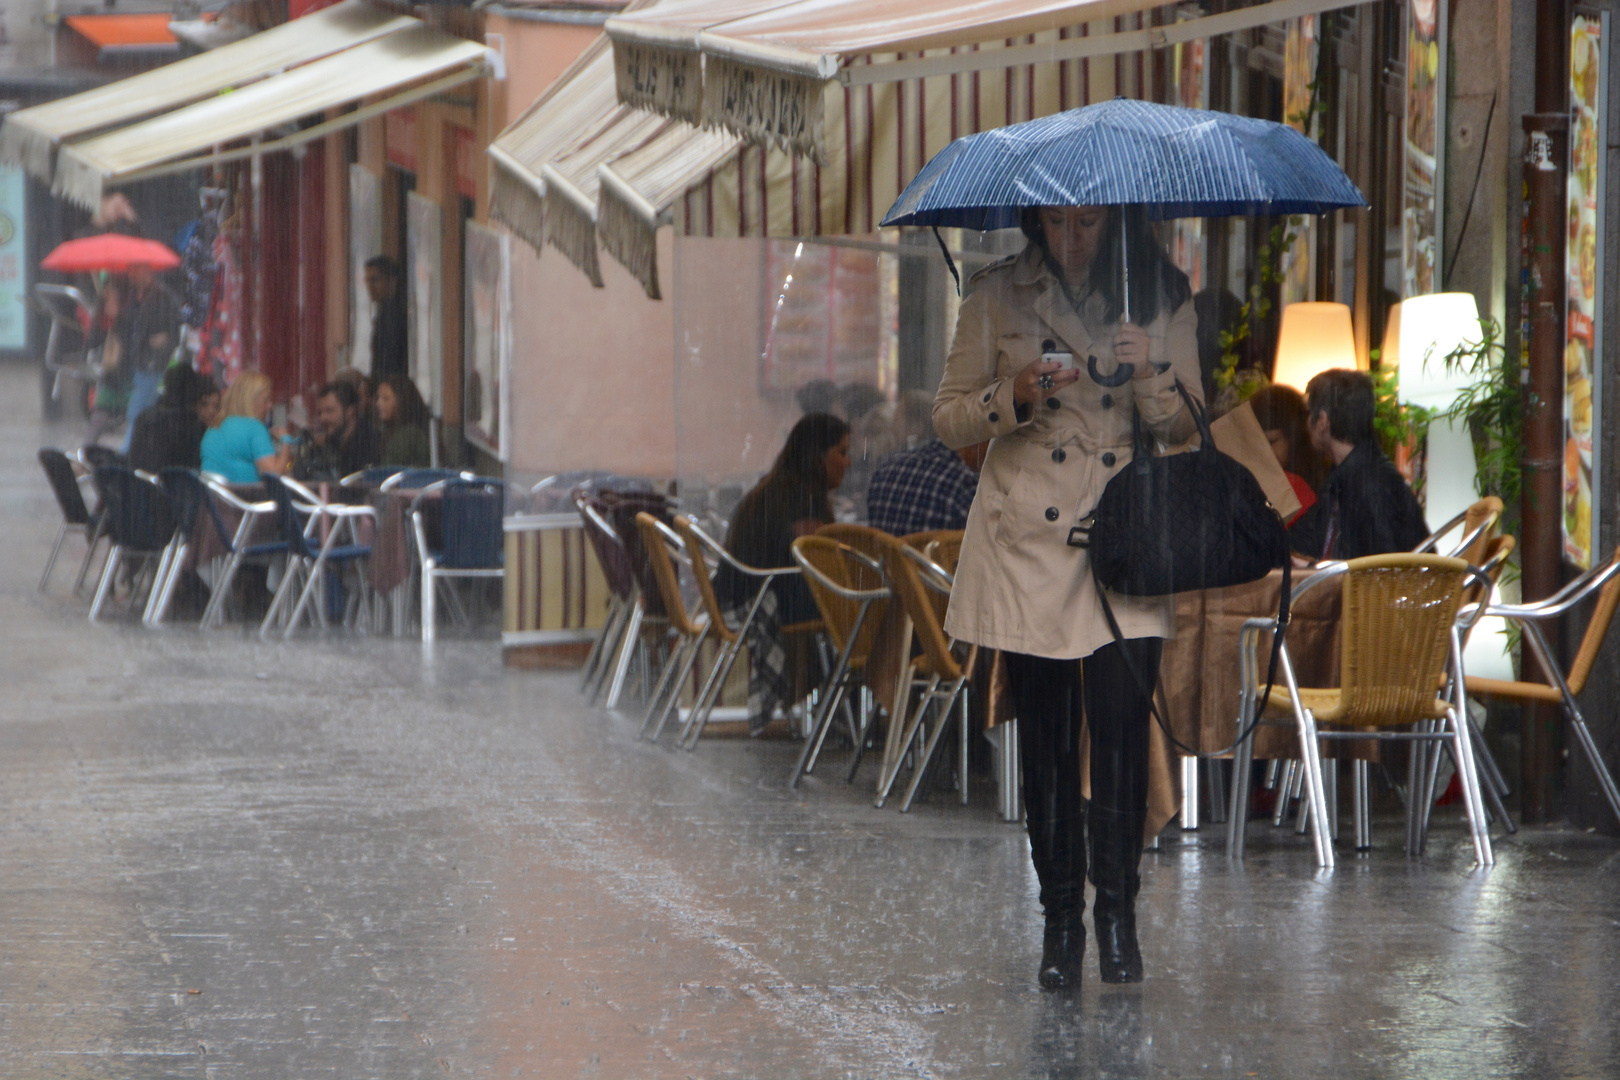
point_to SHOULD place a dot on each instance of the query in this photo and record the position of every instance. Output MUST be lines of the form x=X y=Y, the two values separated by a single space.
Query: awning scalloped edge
x=78 y=181
x=626 y=232
x=571 y=224
x=665 y=81
x=22 y=145
x=766 y=106
x=517 y=202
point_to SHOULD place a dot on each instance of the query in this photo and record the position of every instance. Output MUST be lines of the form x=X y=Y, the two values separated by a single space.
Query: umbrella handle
x=1125 y=264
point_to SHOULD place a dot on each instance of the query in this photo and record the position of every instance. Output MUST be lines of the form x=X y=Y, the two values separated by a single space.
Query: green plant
x=1270 y=255
x=1492 y=404
x=1395 y=423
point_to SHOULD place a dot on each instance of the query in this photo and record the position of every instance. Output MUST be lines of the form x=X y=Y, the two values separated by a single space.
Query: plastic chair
x=76 y=515
x=850 y=591
x=1400 y=640
x=139 y=522
x=299 y=512
x=916 y=581
x=472 y=513
x=1601 y=582
x=700 y=546
x=661 y=543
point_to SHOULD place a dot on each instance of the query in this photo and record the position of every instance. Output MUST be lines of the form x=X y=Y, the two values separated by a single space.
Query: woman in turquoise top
x=239 y=446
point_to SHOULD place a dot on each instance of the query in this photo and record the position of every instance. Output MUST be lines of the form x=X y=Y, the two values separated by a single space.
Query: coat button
x=1108 y=458
x=1107 y=401
x=1058 y=455
x=994 y=417
x=988 y=395
x=1051 y=513
x=1053 y=403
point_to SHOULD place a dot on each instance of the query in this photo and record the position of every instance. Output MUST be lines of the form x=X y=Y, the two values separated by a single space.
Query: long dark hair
x=410 y=409
x=1282 y=408
x=803 y=457
x=1157 y=284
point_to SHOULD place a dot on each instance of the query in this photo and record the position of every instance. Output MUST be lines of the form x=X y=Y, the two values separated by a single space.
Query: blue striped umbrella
x=1174 y=162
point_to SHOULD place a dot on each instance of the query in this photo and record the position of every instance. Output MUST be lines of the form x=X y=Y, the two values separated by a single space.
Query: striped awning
x=386 y=73
x=30 y=137
x=772 y=76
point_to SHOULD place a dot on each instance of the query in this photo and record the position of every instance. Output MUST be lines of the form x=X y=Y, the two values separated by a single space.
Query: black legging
x=1048 y=695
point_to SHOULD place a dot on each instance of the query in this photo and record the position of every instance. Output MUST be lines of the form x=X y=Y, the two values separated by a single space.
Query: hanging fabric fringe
x=571 y=224
x=516 y=203
x=629 y=237
x=22 y=145
x=772 y=108
x=664 y=81
x=77 y=181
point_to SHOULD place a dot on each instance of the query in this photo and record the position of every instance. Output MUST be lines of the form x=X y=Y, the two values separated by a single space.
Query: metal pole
x=1542 y=326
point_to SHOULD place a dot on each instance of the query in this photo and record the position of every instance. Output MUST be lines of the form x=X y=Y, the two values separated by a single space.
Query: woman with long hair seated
x=1282 y=416
x=402 y=417
x=240 y=446
x=789 y=502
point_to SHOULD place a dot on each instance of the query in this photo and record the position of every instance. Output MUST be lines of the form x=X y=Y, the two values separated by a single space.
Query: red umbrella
x=114 y=252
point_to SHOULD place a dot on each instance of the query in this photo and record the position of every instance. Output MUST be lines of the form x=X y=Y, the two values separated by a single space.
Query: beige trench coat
x=1019 y=586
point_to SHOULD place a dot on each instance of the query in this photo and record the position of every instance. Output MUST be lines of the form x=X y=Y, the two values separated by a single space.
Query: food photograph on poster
x=1583 y=323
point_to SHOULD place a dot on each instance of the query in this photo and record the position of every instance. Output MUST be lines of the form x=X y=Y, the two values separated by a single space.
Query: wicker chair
x=851 y=594
x=1399 y=641
x=1602 y=582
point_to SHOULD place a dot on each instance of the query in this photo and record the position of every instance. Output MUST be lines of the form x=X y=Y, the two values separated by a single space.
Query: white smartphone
x=278 y=416
x=1051 y=354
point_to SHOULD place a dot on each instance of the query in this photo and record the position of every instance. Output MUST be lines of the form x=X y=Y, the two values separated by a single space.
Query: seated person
x=341 y=441
x=402 y=424
x=1281 y=413
x=791 y=501
x=240 y=445
x=927 y=487
x=171 y=432
x=1366 y=506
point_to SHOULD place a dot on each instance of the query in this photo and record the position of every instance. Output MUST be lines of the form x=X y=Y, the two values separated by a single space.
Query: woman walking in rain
x=1047 y=364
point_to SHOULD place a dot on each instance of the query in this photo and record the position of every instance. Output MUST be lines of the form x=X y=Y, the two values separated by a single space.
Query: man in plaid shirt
x=927 y=487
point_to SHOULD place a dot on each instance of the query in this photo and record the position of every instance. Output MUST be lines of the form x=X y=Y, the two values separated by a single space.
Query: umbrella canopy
x=113 y=252
x=1174 y=162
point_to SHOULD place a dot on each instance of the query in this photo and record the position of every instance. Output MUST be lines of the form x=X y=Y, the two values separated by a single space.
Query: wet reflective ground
x=220 y=858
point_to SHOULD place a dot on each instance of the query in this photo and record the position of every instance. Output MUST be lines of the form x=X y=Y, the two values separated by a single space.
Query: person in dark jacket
x=342 y=441
x=1366 y=506
x=171 y=433
x=390 y=353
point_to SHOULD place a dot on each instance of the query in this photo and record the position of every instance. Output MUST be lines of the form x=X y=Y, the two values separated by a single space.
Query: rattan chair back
x=905 y=578
x=1597 y=628
x=838 y=563
x=921 y=540
x=1480 y=518
x=1395 y=636
x=655 y=545
x=863 y=538
x=689 y=534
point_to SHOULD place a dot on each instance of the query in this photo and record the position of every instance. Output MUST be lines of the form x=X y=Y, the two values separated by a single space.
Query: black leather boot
x=1116 y=849
x=1058 y=849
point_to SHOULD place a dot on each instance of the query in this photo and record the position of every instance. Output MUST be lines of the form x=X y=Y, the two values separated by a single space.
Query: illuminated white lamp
x=1431 y=328
x=1314 y=337
x=1390 y=354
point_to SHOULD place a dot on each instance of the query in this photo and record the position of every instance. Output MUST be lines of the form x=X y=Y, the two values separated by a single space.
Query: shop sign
x=13 y=259
x=1583 y=284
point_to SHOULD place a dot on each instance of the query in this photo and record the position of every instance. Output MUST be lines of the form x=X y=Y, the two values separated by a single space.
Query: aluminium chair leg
x=1468 y=776
x=160 y=578
x=946 y=712
x=108 y=572
x=867 y=719
x=666 y=684
x=820 y=725
x=1583 y=735
x=94 y=541
x=56 y=549
x=1315 y=793
x=627 y=652
x=289 y=574
x=962 y=745
x=702 y=708
x=1287 y=791
x=1215 y=777
x=1237 y=814
x=606 y=648
x=1361 y=801
x=907 y=737
x=673 y=699
x=1189 y=794
x=593 y=657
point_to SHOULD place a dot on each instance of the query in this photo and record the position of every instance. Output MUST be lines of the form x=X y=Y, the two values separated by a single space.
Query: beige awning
x=578 y=167
x=30 y=136
x=766 y=75
x=407 y=66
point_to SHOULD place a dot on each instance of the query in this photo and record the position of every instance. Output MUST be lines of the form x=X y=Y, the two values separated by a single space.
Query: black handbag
x=1193 y=520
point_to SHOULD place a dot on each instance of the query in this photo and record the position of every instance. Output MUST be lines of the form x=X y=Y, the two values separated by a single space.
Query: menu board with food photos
x=1583 y=282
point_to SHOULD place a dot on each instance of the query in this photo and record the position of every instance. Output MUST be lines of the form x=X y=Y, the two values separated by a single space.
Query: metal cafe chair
x=235 y=542
x=140 y=523
x=68 y=487
x=663 y=547
x=94 y=456
x=299 y=515
x=1465 y=536
x=1601 y=583
x=852 y=595
x=621 y=579
x=923 y=586
x=416 y=479
x=700 y=547
x=372 y=476
x=473 y=539
x=1400 y=640
x=186 y=495
x=621 y=507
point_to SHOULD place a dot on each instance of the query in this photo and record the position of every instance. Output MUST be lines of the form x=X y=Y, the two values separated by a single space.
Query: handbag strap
x=1200 y=415
x=1284 y=613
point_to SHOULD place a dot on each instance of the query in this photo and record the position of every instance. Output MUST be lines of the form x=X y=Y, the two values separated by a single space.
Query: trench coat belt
x=1061 y=437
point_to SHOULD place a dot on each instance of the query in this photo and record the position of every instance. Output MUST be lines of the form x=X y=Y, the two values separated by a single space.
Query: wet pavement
x=343 y=858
